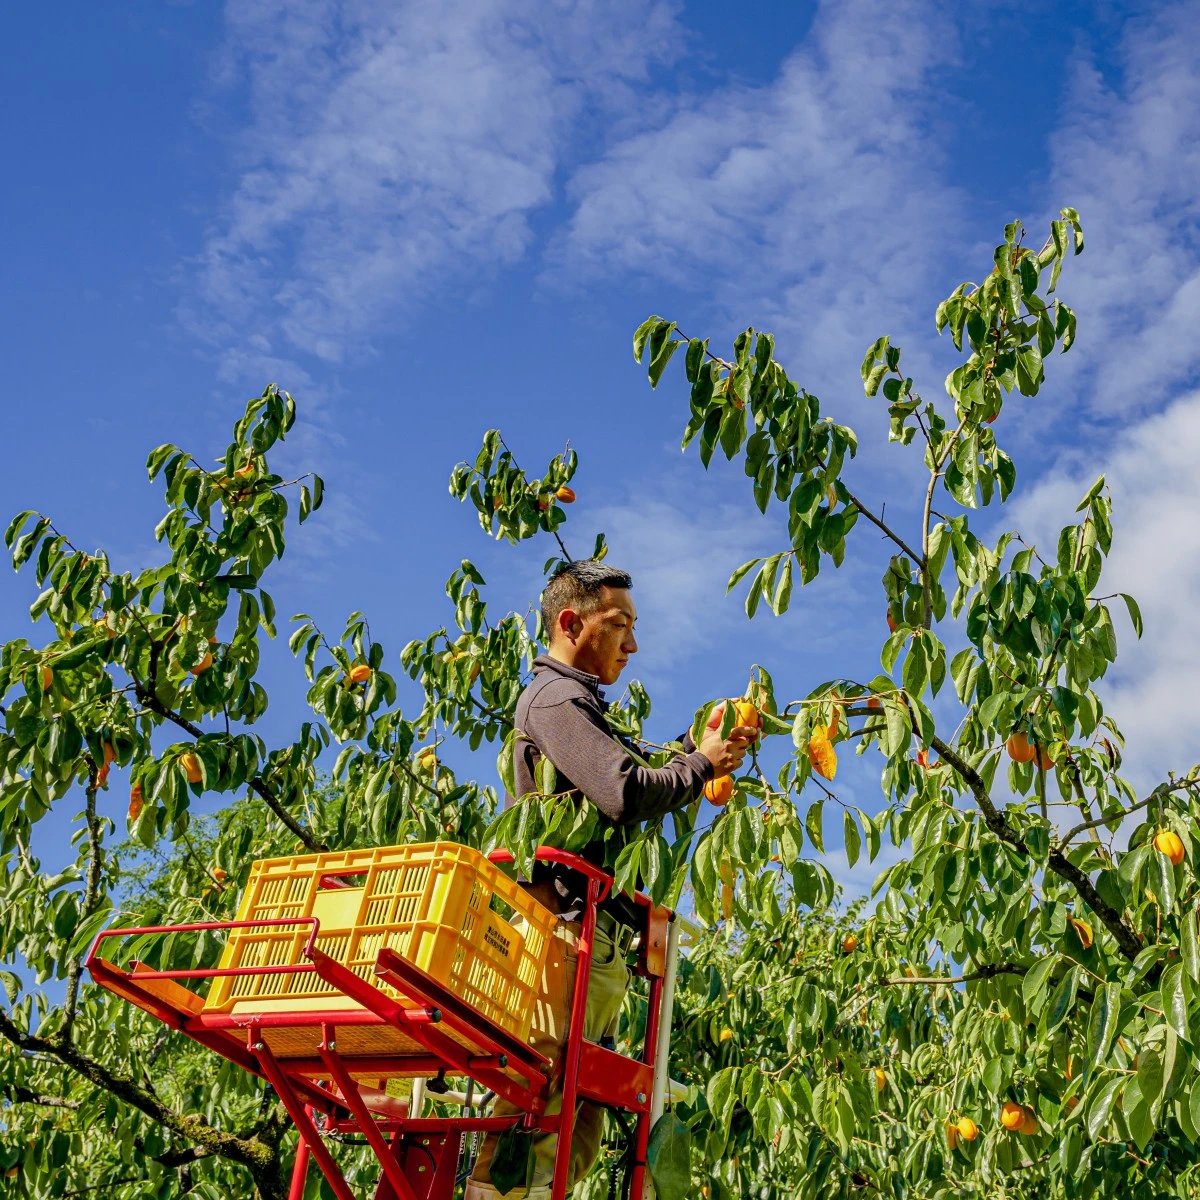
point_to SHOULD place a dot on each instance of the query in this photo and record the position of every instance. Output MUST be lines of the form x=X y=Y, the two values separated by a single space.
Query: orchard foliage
x=1007 y=958
x=1010 y=958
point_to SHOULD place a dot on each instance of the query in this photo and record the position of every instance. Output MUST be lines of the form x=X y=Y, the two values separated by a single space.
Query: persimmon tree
x=1012 y=957
x=1021 y=966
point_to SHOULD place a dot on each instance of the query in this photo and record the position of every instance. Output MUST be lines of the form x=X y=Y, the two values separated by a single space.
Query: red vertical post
x=300 y=1167
x=366 y=1122
x=301 y=1119
x=570 y=1077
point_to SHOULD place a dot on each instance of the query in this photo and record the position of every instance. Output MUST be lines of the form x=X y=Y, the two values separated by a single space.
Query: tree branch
x=312 y=844
x=22 y=1095
x=987 y=971
x=889 y=532
x=257 y=784
x=250 y=1153
x=996 y=821
x=91 y=896
x=1083 y=826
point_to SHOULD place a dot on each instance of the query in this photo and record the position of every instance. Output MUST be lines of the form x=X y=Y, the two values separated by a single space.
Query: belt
x=620 y=933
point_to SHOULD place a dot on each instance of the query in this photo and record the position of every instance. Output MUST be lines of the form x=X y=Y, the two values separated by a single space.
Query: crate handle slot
x=338 y=879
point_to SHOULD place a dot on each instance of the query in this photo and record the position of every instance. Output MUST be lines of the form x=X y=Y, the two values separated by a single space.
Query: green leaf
x=1151 y=1077
x=899 y=728
x=853 y=841
x=547 y=777
x=663 y=356
x=12 y=985
x=783 y=592
x=1062 y=999
x=1037 y=979
x=1188 y=949
x=1102 y=1028
x=754 y=595
x=16 y=525
x=1162 y=881
x=1173 y=988
x=1101 y=1106
x=993 y=1075
x=812 y=822
x=1135 y=613
x=640 y=335
x=505 y=768
x=916 y=667
x=722 y=1094
x=669 y=1158
x=1140 y=1119
x=740 y=574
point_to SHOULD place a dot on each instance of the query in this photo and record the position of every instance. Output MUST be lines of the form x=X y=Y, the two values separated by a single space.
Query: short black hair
x=578 y=585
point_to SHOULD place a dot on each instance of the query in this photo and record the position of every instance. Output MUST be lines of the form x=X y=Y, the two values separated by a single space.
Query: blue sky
x=427 y=218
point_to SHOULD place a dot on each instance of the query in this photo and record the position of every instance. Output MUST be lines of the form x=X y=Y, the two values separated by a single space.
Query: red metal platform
x=331 y=1067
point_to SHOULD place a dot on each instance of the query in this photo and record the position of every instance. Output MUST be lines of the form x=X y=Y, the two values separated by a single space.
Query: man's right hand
x=726 y=754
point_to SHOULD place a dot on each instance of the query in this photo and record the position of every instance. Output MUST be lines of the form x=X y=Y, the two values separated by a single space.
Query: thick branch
x=992 y=816
x=1112 y=919
x=22 y=1095
x=182 y=1158
x=312 y=844
x=250 y=1153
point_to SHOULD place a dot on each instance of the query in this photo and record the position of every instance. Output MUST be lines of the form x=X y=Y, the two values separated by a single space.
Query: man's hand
x=726 y=754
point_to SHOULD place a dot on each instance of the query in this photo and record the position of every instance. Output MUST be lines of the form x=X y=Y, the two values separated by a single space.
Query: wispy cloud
x=1128 y=157
x=1156 y=558
x=811 y=204
x=395 y=146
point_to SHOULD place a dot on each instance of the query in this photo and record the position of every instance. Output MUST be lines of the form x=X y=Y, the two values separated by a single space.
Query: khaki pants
x=606 y=990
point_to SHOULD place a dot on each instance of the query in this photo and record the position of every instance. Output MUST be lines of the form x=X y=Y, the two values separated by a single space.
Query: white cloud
x=1127 y=155
x=1156 y=558
x=680 y=562
x=395 y=145
x=814 y=204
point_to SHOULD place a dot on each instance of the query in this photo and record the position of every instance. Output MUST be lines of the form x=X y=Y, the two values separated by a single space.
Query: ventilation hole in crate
x=368 y=948
x=272 y=891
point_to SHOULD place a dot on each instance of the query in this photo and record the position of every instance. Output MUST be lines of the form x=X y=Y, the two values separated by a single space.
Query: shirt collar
x=591 y=682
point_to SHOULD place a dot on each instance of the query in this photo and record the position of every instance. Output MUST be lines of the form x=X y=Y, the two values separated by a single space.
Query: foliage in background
x=1013 y=962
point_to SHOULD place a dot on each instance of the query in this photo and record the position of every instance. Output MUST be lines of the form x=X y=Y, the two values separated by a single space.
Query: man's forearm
x=603 y=769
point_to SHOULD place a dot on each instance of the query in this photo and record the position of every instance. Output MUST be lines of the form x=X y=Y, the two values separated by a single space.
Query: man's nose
x=630 y=644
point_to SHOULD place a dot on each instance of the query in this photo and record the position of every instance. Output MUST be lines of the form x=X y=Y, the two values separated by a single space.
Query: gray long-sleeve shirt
x=560 y=716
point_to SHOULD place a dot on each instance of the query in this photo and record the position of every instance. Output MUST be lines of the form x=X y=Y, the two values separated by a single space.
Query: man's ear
x=570 y=624
x=564 y=625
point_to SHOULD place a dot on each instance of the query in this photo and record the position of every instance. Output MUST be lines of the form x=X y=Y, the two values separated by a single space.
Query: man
x=589 y=615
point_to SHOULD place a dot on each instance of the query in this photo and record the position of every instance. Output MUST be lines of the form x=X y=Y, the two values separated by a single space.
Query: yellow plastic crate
x=434 y=904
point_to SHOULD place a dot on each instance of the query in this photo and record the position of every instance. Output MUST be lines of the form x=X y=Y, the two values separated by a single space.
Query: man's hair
x=578 y=585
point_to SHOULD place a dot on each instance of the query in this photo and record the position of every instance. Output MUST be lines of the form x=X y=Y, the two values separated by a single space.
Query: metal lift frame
x=318 y=1060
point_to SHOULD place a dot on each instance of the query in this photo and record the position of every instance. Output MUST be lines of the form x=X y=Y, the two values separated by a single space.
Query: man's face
x=604 y=638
